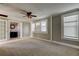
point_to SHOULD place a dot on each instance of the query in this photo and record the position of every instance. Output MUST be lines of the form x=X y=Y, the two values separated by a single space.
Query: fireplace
x=13 y=34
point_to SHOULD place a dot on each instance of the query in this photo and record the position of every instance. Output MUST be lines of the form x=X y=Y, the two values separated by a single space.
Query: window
x=2 y=30
x=40 y=26
x=71 y=27
x=43 y=25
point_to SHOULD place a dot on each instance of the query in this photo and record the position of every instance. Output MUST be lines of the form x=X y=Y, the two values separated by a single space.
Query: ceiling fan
x=29 y=14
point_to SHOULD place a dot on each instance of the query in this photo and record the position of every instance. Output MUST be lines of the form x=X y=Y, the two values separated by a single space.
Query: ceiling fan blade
x=3 y=15
x=24 y=16
x=33 y=15
x=22 y=11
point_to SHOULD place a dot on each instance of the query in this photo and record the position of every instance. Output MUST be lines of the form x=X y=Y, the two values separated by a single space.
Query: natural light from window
x=44 y=25
x=71 y=27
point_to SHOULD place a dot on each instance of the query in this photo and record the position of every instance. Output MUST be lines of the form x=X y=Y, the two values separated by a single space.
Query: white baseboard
x=13 y=40
x=60 y=43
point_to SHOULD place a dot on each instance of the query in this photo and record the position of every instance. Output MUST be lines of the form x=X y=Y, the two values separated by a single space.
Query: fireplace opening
x=13 y=34
x=14 y=30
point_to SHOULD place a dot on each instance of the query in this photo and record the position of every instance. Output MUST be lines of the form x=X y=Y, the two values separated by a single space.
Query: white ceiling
x=42 y=10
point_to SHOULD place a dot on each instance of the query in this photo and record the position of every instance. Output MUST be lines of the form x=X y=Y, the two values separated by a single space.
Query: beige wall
x=41 y=35
x=26 y=29
x=56 y=27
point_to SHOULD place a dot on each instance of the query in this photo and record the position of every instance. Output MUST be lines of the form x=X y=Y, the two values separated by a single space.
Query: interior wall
x=26 y=29
x=40 y=35
x=50 y=28
x=8 y=30
x=56 y=27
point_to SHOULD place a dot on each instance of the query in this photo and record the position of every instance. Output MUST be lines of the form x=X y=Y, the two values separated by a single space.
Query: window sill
x=71 y=39
x=41 y=32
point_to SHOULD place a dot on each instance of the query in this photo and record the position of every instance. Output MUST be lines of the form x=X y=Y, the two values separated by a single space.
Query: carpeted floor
x=34 y=47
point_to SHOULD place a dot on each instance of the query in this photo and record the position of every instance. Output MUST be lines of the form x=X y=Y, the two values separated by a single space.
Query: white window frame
x=5 y=28
x=40 y=31
x=62 y=23
x=45 y=25
x=37 y=30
